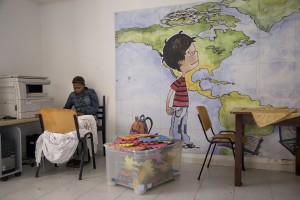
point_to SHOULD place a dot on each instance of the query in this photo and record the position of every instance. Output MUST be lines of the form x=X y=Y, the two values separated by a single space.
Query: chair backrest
x=204 y=120
x=101 y=114
x=204 y=117
x=58 y=120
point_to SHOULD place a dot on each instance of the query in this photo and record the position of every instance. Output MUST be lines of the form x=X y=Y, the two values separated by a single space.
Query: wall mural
x=221 y=54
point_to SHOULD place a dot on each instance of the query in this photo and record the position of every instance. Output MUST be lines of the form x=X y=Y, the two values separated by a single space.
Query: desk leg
x=238 y=150
x=298 y=151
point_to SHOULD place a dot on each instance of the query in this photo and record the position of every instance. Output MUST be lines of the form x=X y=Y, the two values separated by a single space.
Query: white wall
x=20 y=37
x=78 y=39
x=62 y=39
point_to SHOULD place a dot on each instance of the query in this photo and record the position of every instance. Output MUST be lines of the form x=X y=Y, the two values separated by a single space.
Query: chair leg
x=103 y=141
x=233 y=151
x=37 y=170
x=93 y=152
x=204 y=161
x=89 y=157
x=82 y=160
x=243 y=165
x=211 y=155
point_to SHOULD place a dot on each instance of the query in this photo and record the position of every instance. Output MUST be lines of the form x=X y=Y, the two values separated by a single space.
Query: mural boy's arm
x=168 y=108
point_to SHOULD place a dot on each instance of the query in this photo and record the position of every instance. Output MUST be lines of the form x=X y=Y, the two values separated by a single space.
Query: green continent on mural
x=227 y=120
x=265 y=13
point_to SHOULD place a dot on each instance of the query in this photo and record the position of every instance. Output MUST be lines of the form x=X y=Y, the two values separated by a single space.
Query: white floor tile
x=217 y=183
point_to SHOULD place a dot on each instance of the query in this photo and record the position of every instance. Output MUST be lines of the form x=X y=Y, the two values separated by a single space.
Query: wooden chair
x=225 y=137
x=101 y=114
x=65 y=121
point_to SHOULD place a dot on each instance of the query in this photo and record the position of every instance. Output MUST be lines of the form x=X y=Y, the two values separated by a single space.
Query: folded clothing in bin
x=140 y=142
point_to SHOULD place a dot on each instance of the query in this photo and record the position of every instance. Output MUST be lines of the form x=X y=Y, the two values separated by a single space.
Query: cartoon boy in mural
x=179 y=53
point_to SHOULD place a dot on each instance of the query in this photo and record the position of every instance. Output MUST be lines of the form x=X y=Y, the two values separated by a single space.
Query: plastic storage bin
x=142 y=170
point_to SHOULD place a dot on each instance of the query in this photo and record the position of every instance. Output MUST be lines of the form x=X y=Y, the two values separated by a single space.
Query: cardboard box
x=141 y=170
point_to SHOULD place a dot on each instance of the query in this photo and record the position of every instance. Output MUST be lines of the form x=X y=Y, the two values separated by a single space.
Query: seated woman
x=83 y=99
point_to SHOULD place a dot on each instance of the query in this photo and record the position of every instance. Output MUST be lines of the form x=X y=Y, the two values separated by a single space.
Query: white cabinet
x=13 y=163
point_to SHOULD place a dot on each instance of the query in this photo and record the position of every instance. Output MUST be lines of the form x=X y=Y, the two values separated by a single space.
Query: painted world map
x=249 y=56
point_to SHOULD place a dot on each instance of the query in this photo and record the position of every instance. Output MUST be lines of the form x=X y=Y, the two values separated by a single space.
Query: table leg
x=238 y=150
x=298 y=151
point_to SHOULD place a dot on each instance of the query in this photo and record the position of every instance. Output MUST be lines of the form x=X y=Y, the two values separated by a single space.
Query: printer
x=23 y=96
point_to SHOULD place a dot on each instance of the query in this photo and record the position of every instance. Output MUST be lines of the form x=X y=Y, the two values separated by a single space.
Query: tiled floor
x=216 y=184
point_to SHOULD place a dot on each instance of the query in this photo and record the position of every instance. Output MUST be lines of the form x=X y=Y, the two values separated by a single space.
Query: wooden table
x=10 y=122
x=243 y=117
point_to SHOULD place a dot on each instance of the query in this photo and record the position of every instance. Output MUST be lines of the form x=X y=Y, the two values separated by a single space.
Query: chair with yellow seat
x=64 y=121
x=223 y=137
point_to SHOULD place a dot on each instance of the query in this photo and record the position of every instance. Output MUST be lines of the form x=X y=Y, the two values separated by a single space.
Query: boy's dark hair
x=78 y=79
x=175 y=49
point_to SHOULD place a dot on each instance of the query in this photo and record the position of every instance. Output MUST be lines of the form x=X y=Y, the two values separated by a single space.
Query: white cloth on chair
x=59 y=148
x=88 y=122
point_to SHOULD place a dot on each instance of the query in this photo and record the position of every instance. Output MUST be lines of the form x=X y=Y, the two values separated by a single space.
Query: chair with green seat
x=223 y=137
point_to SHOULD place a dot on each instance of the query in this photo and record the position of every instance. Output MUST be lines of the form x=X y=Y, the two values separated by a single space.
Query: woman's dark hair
x=78 y=79
x=175 y=49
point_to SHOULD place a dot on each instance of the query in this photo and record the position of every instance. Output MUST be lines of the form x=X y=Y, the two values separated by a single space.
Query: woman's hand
x=79 y=114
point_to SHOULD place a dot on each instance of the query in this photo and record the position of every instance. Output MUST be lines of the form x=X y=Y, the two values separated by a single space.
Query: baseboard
x=250 y=162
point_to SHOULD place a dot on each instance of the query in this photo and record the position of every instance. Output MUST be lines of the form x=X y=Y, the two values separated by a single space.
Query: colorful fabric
x=126 y=142
x=157 y=138
x=134 y=137
x=140 y=142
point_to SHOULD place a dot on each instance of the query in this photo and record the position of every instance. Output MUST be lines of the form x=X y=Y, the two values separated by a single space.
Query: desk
x=10 y=129
x=243 y=117
x=9 y=122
